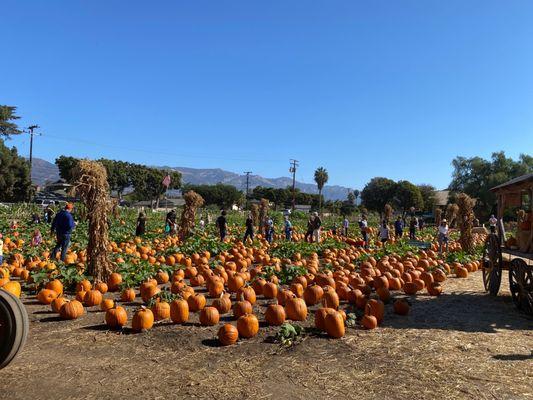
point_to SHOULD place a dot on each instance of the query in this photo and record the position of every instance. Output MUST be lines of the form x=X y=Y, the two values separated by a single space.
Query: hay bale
x=465 y=215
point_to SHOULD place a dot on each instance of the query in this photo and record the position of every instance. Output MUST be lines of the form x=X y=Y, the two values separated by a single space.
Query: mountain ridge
x=44 y=171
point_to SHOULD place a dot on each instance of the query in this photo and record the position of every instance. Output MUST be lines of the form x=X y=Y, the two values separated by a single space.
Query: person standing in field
x=345 y=226
x=249 y=233
x=170 y=222
x=288 y=229
x=442 y=236
x=363 y=224
x=269 y=229
x=317 y=226
x=221 y=225
x=48 y=215
x=202 y=224
x=398 y=228
x=309 y=231
x=1 y=249
x=412 y=228
x=493 y=221
x=62 y=225
x=384 y=233
x=141 y=224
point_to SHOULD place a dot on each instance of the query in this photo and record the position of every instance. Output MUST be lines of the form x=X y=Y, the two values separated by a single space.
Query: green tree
x=476 y=176
x=378 y=192
x=118 y=175
x=321 y=178
x=428 y=196
x=66 y=165
x=407 y=195
x=224 y=196
x=15 y=182
x=7 y=127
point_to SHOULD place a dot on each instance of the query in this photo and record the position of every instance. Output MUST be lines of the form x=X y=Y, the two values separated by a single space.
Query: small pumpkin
x=369 y=322
x=296 y=309
x=275 y=314
x=92 y=298
x=223 y=303
x=46 y=296
x=71 y=310
x=228 y=335
x=128 y=295
x=107 y=304
x=196 y=302
x=161 y=310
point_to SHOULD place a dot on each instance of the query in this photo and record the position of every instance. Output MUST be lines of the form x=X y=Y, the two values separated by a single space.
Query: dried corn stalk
x=387 y=212
x=465 y=216
x=451 y=213
x=263 y=211
x=438 y=216
x=92 y=188
x=254 y=210
x=192 y=202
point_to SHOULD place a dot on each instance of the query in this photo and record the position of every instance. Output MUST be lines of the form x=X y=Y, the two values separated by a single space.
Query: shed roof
x=515 y=181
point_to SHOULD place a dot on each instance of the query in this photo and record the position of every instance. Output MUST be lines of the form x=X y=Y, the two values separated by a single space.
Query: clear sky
x=363 y=88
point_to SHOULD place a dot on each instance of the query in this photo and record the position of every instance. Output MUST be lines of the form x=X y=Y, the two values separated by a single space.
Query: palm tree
x=321 y=177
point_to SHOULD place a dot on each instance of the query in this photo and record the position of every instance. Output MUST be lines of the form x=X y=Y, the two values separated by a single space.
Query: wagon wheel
x=492 y=265
x=521 y=284
x=13 y=327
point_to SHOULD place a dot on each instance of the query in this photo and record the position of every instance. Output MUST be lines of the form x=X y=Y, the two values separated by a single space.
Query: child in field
x=141 y=224
x=37 y=239
x=384 y=233
x=288 y=228
x=442 y=236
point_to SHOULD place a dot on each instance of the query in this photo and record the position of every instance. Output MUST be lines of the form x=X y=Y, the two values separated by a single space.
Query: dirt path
x=463 y=344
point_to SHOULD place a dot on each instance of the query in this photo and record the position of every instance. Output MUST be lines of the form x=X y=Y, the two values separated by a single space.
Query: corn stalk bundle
x=438 y=216
x=465 y=215
x=387 y=212
x=193 y=201
x=92 y=188
x=263 y=211
x=254 y=210
x=451 y=213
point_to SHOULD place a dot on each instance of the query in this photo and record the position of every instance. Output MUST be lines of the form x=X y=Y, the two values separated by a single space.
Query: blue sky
x=363 y=88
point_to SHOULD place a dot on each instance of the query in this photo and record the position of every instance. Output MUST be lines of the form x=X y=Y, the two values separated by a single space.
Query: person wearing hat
x=1 y=249
x=442 y=236
x=317 y=224
x=62 y=225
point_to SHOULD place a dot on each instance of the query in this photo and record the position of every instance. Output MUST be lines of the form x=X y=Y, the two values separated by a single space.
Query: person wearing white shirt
x=345 y=225
x=442 y=236
x=492 y=222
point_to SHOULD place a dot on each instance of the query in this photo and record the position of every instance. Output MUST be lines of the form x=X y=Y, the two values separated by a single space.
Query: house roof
x=515 y=181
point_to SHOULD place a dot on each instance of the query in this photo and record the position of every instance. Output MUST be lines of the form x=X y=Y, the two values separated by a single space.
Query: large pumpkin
x=179 y=311
x=275 y=314
x=334 y=323
x=248 y=325
x=71 y=310
x=143 y=319
x=116 y=317
x=296 y=309
x=209 y=316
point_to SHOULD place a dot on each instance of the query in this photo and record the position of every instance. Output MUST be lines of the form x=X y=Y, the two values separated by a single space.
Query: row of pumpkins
x=367 y=285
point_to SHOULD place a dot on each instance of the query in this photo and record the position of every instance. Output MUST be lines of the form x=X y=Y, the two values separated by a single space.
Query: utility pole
x=32 y=134
x=292 y=169
x=30 y=131
x=247 y=186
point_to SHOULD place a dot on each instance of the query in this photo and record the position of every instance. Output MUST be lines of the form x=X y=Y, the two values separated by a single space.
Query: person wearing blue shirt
x=288 y=229
x=62 y=225
x=398 y=227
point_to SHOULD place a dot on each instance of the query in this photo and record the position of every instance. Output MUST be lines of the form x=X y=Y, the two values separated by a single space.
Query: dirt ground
x=462 y=345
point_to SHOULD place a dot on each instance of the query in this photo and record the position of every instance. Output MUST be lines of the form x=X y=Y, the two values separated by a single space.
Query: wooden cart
x=13 y=327
x=517 y=259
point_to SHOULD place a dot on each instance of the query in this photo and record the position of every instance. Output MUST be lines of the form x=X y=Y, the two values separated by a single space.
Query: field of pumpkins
x=330 y=287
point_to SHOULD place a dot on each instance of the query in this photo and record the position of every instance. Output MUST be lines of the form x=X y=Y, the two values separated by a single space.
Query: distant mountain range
x=44 y=171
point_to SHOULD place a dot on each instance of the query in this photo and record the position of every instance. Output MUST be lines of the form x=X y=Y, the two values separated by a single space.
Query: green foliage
x=8 y=128
x=224 y=196
x=288 y=334
x=377 y=193
x=407 y=195
x=15 y=183
x=428 y=196
x=197 y=244
x=475 y=176
x=286 y=275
